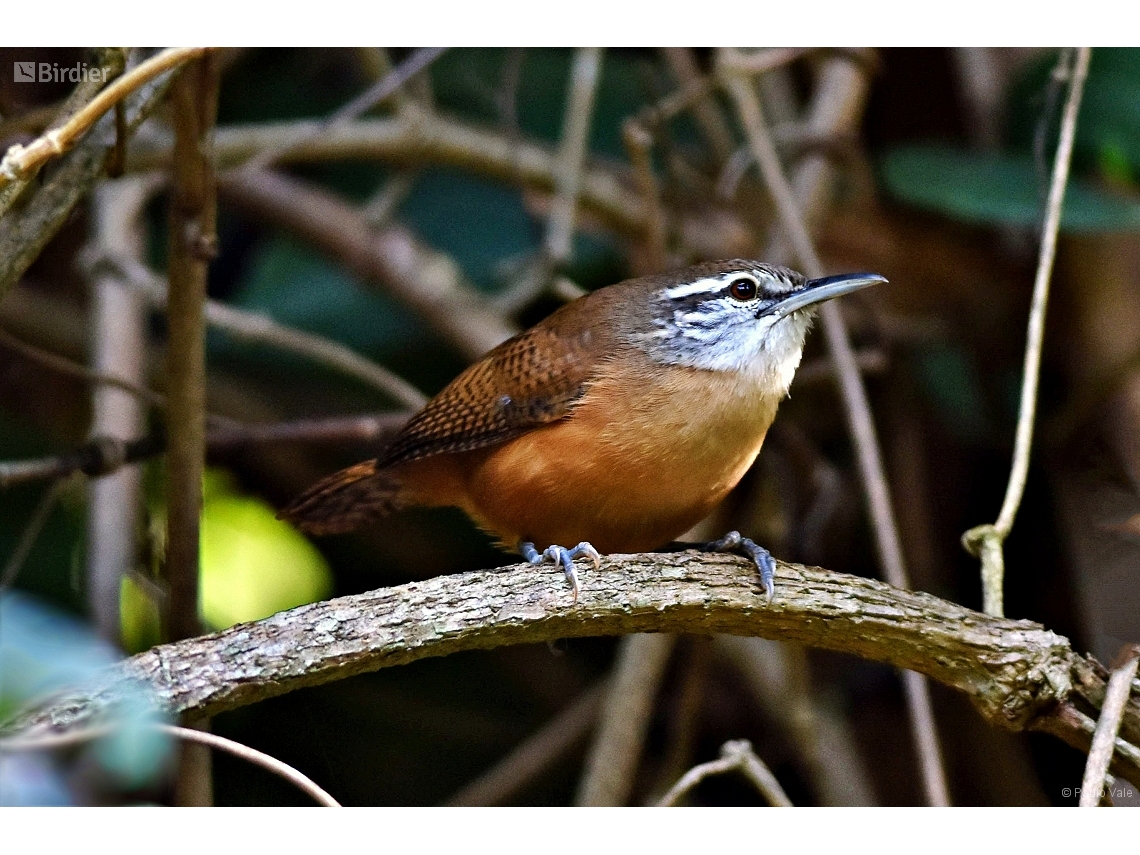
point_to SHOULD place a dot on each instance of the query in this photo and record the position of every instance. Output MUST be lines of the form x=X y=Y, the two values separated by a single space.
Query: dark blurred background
x=940 y=189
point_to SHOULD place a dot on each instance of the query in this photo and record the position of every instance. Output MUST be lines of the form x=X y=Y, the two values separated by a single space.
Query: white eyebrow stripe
x=708 y=285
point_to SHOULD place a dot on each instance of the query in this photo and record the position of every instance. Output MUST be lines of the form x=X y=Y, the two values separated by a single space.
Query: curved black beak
x=819 y=290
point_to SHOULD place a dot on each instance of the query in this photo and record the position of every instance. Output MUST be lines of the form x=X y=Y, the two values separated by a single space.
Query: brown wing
x=532 y=379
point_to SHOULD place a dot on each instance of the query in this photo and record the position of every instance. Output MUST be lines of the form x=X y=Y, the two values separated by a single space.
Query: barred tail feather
x=344 y=501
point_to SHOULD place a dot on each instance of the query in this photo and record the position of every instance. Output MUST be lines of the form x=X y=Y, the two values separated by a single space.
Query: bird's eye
x=742 y=290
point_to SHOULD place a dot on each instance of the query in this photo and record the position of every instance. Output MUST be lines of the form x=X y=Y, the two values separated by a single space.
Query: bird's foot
x=562 y=557
x=737 y=545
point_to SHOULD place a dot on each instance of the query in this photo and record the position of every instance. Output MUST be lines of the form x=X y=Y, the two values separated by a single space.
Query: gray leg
x=562 y=557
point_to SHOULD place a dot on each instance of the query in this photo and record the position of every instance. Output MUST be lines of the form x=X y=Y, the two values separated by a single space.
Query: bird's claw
x=562 y=557
x=761 y=557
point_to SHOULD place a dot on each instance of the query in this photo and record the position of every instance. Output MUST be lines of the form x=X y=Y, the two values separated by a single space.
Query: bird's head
x=739 y=315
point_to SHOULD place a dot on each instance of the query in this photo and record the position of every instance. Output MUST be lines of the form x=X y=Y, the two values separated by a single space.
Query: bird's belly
x=625 y=485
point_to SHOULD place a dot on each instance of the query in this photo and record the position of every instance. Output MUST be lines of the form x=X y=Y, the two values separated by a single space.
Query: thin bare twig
x=778 y=676
x=667 y=108
x=261 y=329
x=731 y=174
x=924 y=726
x=418 y=139
x=70 y=739
x=695 y=775
x=684 y=717
x=506 y=95
x=566 y=290
x=626 y=713
x=871 y=361
x=415 y=64
x=585 y=74
x=373 y=430
x=104 y=455
x=31 y=532
x=100 y=456
x=253 y=327
x=1077 y=729
x=65 y=366
x=259 y=758
x=21 y=162
x=736 y=756
x=759 y=61
x=839 y=346
x=537 y=753
x=376 y=64
x=1108 y=725
x=427 y=281
x=117 y=157
x=536 y=274
x=638 y=144
x=982 y=88
x=986 y=541
x=371 y=97
x=379 y=209
x=707 y=113
x=856 y=407
x=73 y=369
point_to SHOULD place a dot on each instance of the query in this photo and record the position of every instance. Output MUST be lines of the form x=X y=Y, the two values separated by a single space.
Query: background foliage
x=940 y=191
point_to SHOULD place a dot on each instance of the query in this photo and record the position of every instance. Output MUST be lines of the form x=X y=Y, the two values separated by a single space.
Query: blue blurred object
x=44 y=652
x=32 y=780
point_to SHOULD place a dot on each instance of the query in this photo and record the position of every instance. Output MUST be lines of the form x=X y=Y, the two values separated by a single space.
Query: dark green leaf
x=998 y=189
x=1109 y=119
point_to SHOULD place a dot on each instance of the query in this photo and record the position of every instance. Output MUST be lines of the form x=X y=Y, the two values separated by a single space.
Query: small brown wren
x=617 y=423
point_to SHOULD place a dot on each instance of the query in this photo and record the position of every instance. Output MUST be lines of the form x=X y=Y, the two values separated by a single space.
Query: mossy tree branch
x=1019 y=675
